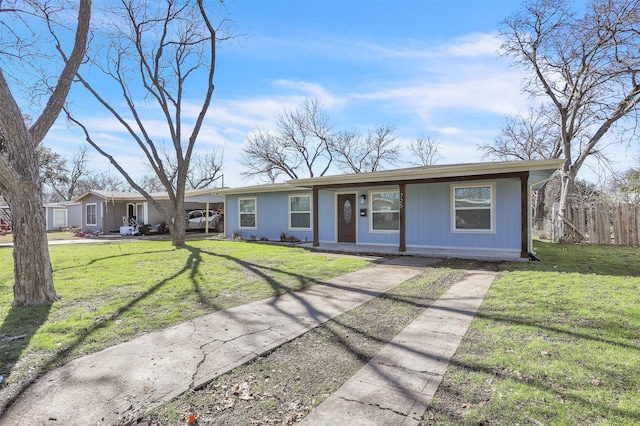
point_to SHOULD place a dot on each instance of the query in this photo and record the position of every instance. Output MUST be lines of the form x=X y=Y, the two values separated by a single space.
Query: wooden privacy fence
x=602 y=223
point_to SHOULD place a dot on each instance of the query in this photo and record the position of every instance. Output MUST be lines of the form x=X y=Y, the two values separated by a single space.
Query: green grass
x=556 y=342
x=113 y=292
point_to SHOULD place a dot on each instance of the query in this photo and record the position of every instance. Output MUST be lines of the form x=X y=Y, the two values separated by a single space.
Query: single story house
x=107 y=211
x=476 y=210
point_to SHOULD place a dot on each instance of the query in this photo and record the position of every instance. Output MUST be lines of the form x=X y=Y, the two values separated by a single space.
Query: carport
x=211 y=202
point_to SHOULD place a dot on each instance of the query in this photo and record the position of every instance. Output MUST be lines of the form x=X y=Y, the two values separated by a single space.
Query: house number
x=402 y=200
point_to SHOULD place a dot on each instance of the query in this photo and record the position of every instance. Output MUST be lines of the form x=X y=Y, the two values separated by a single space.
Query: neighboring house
x=479 y=210
x=107 y=211
x=63 y=215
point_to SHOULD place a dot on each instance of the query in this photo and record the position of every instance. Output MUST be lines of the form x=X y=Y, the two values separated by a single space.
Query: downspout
x=316 y=227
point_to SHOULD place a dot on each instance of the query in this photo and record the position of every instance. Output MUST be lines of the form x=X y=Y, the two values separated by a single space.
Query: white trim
x=135 y=206
x=308 y=228
x=86 y=216
x=492 y=207
x=356 y=214
x=53 y=217
x=435 y=171
x=371 y=212
x=255 y=213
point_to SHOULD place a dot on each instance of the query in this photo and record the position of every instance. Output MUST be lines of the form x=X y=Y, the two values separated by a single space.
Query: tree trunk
x=179 y=224
x=566 y=188
x=540 y=205
x=33 y=274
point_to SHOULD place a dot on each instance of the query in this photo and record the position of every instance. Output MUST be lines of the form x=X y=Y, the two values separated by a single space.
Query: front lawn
x=113 y=292
x=556 y=342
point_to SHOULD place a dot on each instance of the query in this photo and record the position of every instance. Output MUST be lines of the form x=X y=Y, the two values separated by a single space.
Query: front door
x=347 y=218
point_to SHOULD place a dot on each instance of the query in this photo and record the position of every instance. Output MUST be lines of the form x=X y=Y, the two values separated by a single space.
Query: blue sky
x=429 y=67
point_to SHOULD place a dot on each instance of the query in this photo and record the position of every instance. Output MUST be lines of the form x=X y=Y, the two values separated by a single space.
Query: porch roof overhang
x=268 y=187
x=192 y=195
x=538 y=170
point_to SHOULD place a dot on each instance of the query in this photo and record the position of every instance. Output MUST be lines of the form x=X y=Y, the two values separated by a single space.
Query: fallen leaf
x=193 y=418
x=228 y=403
x=596 y=382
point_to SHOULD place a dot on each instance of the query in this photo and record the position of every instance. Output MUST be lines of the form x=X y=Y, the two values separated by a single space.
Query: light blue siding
x=272 y=216
x=428 y=217
x=365 y=235
x=327 y=216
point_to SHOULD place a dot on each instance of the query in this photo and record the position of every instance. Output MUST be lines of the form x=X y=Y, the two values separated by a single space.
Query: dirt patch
x=283 y=386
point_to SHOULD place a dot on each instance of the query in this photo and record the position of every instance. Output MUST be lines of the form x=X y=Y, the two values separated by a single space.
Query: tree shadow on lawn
x=40 y=314
x=115 y=256
x=16 y=331
x=191 y=267
x=333 y=324
x=65 y=355
x=264 y=272
x=364 y=357
x=454 y=395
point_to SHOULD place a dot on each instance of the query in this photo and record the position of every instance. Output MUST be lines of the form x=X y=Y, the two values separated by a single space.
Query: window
x=385 y=210
x=473 y=208
x=247 y=212
x=92 y=214
x=300 y=211
x=59 y=218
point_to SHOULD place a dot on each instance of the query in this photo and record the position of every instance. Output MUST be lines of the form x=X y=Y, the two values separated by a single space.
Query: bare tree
x=626 y=185
x=103 y=180
x=151 y=183
x=534 y=136
x=204 y=170
x=299 y=146
x=585 y=66
x=19 y=168
x=53 y=168
x=152 y=50
x=356 y=154
x=62 y=183
x=426 y=151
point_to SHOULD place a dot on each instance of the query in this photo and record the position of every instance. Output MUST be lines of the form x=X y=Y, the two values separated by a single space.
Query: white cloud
x=466 y=46
x=449 y=131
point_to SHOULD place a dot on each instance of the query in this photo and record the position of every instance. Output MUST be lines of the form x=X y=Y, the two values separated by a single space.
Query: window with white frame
x=385 y=210
x=247 y=208
x=473 y=208
x=59 y=218
x=92 y=214
x=300 y=212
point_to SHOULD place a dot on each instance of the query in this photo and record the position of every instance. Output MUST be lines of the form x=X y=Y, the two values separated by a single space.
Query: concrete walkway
x=124 y=381
x=396 y=386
